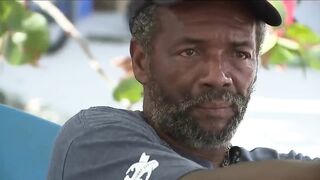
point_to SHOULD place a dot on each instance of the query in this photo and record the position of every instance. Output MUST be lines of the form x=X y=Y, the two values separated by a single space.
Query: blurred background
x=58 y=79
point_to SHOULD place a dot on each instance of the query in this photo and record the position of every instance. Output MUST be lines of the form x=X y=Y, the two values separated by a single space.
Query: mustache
x=214 y=94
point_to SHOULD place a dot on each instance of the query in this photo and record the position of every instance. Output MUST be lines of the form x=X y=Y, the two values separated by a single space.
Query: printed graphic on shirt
x=144 y=166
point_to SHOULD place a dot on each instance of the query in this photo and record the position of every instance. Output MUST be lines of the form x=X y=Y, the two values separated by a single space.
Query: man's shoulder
x=105 y=119
x=104 y=115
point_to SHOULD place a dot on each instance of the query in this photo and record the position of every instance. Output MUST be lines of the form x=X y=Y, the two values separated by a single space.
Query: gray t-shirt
x=111 y=144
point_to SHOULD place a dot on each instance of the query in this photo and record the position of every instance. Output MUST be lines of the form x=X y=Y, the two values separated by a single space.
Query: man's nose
x=215 y=74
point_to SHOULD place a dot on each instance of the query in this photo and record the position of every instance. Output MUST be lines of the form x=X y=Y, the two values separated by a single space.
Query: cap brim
x=264 y=11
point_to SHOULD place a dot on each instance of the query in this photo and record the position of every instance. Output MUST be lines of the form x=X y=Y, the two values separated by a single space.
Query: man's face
x=202 y=69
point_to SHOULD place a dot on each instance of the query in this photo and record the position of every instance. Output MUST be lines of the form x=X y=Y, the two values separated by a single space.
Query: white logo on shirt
x=142 y=167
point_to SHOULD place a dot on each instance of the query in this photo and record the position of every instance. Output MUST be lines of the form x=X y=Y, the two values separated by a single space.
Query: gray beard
x=175 y=121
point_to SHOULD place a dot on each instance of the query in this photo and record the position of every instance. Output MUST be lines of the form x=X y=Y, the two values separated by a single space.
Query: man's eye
x=242 y=55
x=188 y=53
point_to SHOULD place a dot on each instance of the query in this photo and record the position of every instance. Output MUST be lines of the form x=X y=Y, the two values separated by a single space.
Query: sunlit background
x=284 y=112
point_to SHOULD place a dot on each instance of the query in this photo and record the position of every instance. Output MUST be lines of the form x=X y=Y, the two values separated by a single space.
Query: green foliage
x=288 y=44
x=4 y=12
x=302 y=34
x=292 y=44
x=282 y=55
x=296 y=48
x=128 y=90
x=24 y=34
x=313 y=57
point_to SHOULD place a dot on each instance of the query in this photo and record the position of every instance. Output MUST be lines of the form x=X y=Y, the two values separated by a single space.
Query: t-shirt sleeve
x=296 y=156
x=113 y=146
x=260 y=154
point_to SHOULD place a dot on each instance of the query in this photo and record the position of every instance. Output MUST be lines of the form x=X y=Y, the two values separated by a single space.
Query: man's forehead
x=190 y=17
x=193 y=10
x=207 y=24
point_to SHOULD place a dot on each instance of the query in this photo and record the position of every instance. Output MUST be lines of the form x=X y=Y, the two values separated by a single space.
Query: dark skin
x=213 y=45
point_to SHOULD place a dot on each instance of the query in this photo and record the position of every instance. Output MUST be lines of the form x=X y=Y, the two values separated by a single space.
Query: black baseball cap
x=261 y=9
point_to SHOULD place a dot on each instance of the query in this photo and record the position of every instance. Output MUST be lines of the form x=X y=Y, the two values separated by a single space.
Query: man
x=197 y=62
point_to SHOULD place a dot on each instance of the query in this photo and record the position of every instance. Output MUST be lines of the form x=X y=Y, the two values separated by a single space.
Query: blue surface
x=78 y=9
x=26 y=143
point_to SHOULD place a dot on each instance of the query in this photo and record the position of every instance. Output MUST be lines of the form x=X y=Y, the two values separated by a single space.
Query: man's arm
x=263 y=170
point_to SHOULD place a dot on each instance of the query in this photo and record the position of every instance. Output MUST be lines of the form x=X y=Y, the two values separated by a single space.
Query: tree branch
x=70 y=29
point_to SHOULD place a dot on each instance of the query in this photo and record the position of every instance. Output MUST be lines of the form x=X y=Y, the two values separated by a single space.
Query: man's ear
x=139 y=62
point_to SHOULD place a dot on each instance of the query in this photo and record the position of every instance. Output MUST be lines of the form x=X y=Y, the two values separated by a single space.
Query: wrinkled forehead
x=216 y=18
